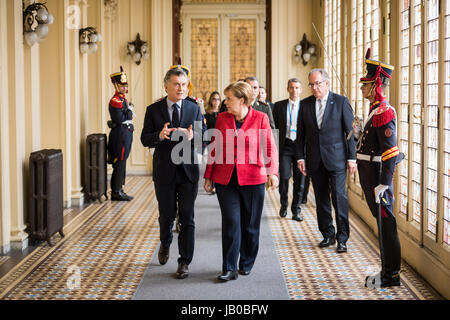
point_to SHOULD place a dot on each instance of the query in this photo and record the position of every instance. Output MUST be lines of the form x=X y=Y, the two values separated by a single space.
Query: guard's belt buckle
x=367 y=157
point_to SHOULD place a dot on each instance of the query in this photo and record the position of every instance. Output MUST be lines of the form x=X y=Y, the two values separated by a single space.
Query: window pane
x=431 y=106
x=446 y=128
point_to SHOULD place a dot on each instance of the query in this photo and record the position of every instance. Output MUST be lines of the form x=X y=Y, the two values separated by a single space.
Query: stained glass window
x=242 y=48
x=204 y=57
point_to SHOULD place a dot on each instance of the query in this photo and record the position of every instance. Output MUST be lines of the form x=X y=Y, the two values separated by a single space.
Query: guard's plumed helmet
x=378 y=73
x=119 y=77
x=376 y=69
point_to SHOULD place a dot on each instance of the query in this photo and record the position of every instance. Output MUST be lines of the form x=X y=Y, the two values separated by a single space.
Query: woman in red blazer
x=243 y=157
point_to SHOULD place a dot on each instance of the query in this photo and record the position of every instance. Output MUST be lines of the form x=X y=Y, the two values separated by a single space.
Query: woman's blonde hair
x=240 y=90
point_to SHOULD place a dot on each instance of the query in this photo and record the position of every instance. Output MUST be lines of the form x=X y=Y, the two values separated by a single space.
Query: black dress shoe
x=125 y=195
x=182 y=271
x=283 y=212
x=341 y=247
x=382 y=281
x=244 y=272
x=392 y=280
x=163 y=254
x=229 y=275
x=328 y=241
x=296 y=214
x=120 y=196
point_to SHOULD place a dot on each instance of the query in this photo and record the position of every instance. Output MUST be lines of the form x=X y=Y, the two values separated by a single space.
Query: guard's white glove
x=379 y=191
x=357 y=128
x=131 y=107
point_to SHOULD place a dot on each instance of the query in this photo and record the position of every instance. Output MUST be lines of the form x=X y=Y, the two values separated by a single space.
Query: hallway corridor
x=108 y=248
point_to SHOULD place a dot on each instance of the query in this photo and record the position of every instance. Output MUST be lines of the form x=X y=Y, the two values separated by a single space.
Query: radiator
x=95 y=167
x=46 y=209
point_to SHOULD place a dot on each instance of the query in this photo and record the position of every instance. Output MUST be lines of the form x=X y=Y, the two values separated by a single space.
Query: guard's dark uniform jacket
x=263 y=107
x=121 y=135
x=378 y=146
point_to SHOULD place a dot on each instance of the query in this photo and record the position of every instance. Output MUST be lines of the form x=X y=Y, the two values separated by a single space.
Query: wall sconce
x=305 y=51
x=138 y=50
x=89 y=37
x=36 y=19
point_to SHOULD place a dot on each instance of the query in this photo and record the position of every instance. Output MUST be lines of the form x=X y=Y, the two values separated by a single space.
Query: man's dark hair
x=295 y=80
x=174 y=72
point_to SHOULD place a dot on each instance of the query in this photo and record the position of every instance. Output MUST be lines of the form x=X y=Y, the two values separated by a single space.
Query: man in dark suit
x=258 y=105
x=324 y=124
x=285 y=116
x=175 y=173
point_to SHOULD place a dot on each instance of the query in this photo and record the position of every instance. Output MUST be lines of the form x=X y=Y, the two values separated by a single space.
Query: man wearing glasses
x=324 y=123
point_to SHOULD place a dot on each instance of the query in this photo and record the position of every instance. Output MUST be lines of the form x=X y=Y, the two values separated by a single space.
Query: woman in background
x=212 y=110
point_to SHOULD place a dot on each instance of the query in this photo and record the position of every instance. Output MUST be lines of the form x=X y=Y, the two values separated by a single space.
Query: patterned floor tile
x=107 y=249
x=104 y=259
x=312 y=273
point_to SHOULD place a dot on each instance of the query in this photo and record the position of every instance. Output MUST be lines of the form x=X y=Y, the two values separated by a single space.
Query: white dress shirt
x=320 y=109
x=170 y=108
x=291 y=119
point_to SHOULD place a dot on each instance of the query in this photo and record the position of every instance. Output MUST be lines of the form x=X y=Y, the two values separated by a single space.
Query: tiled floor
x=108 y=246
x=313 y=273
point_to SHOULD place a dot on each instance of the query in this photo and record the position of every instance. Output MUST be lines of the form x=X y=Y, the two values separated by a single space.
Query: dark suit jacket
x=156 y=116
x=279 y=118
x=329 y=143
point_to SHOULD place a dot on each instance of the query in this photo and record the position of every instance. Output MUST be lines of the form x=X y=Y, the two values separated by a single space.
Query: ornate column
x=5 y=200
x=74 y=111
x=16 y=113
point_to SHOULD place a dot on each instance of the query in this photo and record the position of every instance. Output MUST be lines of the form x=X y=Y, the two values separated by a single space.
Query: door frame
x=224 y=13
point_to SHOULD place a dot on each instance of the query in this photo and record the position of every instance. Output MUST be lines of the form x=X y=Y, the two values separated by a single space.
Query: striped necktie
x=320 y=113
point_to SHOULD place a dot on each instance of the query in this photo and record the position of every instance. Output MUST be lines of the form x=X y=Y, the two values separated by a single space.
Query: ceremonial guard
x=120 y=136
x=377 y=156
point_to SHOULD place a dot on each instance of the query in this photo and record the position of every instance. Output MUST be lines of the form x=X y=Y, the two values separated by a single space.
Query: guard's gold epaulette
x=384 y=114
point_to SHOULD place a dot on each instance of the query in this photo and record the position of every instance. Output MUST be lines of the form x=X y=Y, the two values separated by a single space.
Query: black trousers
x=324 y=182
x=118 y=175
x=391 y=252
x=181 y=194
x=241 y=208
x=288 y=168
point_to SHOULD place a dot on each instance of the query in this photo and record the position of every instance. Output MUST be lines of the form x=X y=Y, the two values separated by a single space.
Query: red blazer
x=244 y=149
